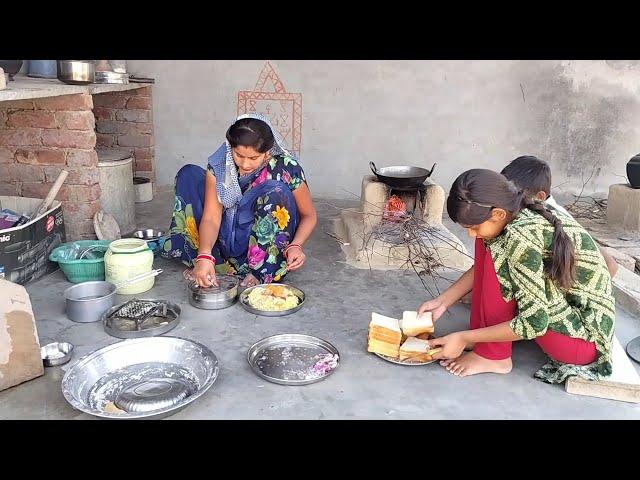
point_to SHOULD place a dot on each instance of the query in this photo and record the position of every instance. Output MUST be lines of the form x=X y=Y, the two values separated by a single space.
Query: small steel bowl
x=152 y=237
x=57 y=353
x=148 y=234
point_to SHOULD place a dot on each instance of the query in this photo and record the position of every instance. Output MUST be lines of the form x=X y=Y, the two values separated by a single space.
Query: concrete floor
x=340 y=301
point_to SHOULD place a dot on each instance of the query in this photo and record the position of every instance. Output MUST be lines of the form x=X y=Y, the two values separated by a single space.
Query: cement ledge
x=626 y=289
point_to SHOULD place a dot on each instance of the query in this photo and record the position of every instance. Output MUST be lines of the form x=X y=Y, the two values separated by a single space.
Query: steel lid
x=225 y=283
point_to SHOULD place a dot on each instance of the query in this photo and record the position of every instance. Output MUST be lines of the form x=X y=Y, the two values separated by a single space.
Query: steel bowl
x=148 y=234
x=87 y=301
x=76 y=72
x=215 y=298
x=57 y=353
x=146 y=378
x=152 y=238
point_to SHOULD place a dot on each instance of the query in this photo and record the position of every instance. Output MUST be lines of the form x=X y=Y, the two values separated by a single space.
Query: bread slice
x=383 y=348
x=388 y=323
x=417 y=350
x=385 y=335
x=413 y=325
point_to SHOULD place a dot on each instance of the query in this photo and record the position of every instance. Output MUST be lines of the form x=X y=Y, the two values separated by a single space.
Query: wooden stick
x=55 y=188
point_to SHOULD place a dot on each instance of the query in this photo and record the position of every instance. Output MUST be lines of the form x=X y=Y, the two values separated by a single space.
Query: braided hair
x=476 y=192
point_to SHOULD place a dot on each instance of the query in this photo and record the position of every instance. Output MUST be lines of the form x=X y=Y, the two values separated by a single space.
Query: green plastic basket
x=84 y=270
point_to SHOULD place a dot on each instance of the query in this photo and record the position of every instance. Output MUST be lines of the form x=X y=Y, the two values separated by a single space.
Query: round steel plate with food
x=293 y=359
x=141 y=318
x=403 y=362
x=272 y=300
x=214 y=298
x=142 y=378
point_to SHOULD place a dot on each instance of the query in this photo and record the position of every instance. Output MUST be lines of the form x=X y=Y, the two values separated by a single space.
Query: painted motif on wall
x=284 y=109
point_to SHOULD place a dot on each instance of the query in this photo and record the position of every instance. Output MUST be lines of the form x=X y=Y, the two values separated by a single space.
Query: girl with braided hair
x=538 y=275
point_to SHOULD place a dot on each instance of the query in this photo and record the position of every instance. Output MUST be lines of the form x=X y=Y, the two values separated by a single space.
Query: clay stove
x=371 y=234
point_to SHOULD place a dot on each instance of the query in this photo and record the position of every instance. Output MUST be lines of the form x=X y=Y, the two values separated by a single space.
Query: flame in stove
x=395 y=208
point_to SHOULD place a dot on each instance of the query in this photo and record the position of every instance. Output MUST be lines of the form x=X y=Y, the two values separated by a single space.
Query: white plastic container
x=143 y=188
x=125 y=259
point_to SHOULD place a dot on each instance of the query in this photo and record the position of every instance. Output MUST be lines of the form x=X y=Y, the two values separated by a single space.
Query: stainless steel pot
x=87 y=301
x=214 y=298
x=76 y=72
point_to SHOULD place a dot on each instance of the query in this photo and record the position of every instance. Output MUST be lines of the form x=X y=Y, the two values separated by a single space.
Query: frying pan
x=401 y=176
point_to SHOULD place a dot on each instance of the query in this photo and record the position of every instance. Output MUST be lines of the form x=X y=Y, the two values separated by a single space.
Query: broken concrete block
x=623 y=208
x=20 y=358
x=621 y=258
x=626 y=289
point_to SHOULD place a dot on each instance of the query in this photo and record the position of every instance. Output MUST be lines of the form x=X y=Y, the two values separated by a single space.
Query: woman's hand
x=436 y=306
x=295 y=258
x=204 y=273
x=452 y=345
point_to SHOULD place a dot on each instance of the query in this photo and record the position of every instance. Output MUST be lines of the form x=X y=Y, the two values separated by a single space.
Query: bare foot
x=249 y=281
x=471 y=363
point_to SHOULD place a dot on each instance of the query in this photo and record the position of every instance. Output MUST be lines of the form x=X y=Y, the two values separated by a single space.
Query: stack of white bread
x=404 y=339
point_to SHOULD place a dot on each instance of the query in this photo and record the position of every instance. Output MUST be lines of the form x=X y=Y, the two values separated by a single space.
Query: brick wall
x=40 y=137
x=124 y=120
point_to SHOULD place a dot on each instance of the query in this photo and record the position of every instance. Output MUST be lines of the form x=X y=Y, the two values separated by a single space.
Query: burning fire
x=395 y=208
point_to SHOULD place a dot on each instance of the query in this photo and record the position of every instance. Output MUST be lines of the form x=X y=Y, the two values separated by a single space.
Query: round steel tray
x=405 y=362
x=288 y=359
x=244 y=301
x=151 y=377
x=148 y=329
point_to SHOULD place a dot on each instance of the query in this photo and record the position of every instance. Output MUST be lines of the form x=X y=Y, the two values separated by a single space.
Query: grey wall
x=578 y=115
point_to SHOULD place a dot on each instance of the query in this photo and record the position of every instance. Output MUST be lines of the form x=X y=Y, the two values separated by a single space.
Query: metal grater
x=136 y=310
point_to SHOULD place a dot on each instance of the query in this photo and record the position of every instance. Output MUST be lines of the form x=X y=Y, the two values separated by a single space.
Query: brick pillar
x=40 y=137
x=124 y=120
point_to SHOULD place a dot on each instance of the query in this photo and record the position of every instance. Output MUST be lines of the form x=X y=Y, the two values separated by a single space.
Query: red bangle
x=204 y=256
x=292 y=245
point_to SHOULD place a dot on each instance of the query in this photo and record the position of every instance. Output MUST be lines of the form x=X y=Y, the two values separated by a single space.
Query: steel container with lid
x=214 y=298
